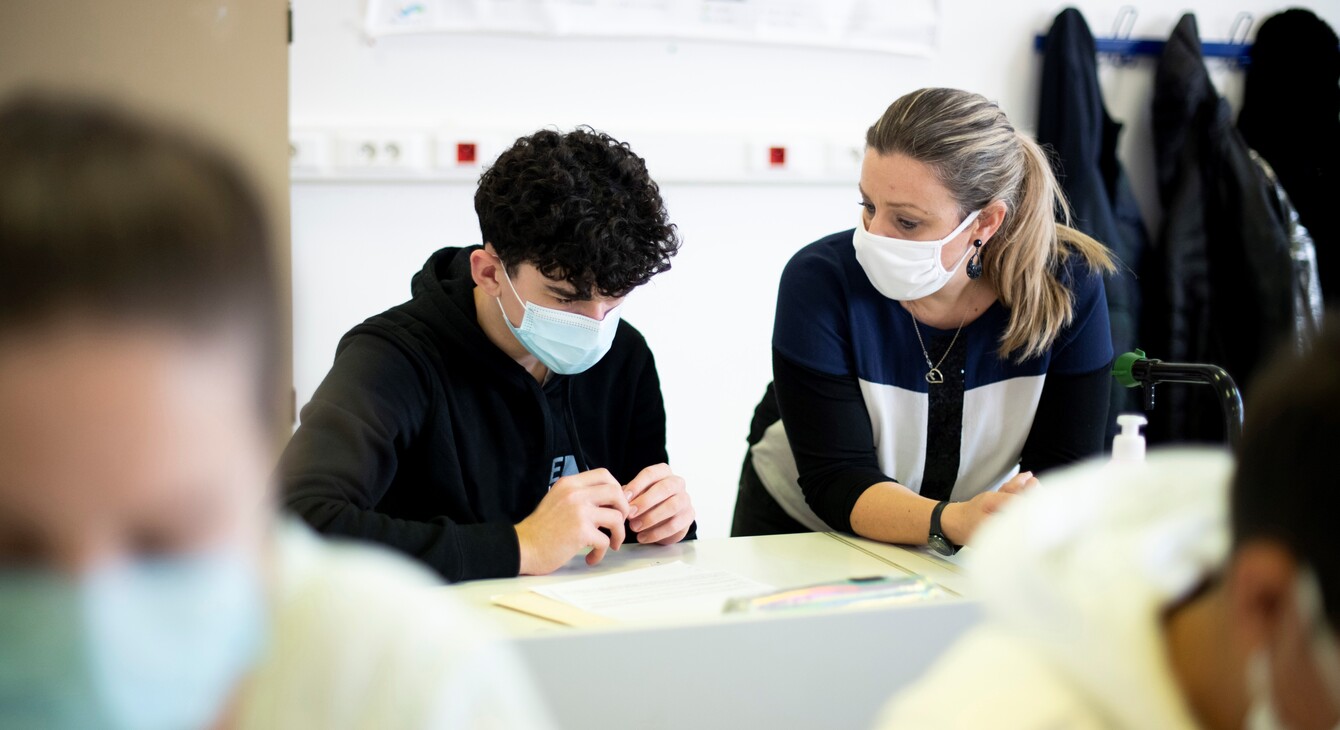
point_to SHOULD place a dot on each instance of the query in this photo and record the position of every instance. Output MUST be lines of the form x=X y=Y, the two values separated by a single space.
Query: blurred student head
x=137 y=355
x=1284 y=578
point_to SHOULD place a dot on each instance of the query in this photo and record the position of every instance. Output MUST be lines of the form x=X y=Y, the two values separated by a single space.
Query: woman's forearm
x=890 y=512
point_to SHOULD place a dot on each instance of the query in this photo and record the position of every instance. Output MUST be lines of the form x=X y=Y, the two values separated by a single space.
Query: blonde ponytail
x=980 y=158
x=1024 y=270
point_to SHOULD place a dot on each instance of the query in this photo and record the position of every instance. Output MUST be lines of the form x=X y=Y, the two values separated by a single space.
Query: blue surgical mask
x=153 y=645
x=565 y=342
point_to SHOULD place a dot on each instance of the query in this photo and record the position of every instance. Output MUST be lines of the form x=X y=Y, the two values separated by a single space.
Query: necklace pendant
x=934 y=376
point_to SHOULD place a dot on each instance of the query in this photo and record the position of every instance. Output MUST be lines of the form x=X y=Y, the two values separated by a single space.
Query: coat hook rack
x=1127 y=49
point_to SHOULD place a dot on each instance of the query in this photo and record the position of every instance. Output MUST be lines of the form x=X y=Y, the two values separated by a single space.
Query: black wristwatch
x=937 y=540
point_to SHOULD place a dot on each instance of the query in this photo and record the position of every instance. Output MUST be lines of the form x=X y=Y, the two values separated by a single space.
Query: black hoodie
x=427 y=438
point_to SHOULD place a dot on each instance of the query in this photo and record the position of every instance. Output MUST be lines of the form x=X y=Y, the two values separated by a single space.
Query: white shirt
x=363 y=638
x=1074 y=579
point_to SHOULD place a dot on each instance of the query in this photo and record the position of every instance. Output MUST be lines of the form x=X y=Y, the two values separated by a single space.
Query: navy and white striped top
x=856 y=408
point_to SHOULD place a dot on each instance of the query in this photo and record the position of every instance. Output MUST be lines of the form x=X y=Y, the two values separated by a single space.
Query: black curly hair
x=581 y=208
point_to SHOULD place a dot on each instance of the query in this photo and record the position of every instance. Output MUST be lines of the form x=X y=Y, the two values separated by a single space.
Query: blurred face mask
x=153 y=645
x=1325 y=651
x=904 y=270
x=565 y=342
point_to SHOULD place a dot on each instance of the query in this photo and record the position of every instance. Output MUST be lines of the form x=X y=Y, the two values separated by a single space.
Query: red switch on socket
x=777 y=156
x=465 y=153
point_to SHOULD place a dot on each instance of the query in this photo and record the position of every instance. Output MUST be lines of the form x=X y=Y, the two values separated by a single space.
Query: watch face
x=940 y=545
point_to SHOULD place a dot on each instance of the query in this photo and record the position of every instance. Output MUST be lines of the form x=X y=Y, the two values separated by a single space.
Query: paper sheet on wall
x=907 y=27
x=671 y=591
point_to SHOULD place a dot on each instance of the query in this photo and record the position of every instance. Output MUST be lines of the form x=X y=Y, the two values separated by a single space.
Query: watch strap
x=936 y=529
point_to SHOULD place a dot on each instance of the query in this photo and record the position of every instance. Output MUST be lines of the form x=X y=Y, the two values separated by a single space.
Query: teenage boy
x=1127 y=597
x=145 y=580
x=506 y=418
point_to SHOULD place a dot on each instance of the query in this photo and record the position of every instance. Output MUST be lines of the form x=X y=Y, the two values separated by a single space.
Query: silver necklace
x=933 y=375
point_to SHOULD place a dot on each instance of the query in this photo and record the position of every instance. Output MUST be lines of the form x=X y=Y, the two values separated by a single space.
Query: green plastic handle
x=1121 y=369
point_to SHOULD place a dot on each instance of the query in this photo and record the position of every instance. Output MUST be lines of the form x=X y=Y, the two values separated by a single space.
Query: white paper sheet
x=907 y=27
x=673 y=590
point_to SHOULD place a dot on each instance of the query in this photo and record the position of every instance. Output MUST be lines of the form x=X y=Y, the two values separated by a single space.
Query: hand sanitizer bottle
x=1128 y=447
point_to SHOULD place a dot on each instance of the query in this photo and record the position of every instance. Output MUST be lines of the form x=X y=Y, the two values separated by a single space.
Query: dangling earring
x=975 y=261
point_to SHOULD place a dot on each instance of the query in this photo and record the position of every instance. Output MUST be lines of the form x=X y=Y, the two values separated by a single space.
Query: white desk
x=946 y=572
x=830 y=669
x=779 y=560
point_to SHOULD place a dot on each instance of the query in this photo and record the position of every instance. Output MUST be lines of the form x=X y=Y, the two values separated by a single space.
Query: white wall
x=709 y=320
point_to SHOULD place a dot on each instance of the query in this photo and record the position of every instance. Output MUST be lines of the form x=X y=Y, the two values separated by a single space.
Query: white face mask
x=905 y=270
x=1325 y=650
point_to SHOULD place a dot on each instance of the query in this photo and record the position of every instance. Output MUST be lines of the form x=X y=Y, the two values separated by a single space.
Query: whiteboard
x=903 y=27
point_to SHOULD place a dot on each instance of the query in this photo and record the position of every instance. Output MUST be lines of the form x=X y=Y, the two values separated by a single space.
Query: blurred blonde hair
x=980 y=157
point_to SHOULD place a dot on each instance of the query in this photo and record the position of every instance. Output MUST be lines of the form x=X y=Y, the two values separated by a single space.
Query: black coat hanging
x=1218 y=282
x=1291 y=117
x=1074 y=123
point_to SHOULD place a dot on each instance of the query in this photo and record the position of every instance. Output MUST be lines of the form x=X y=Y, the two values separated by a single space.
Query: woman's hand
x=1022 y=482
x=961 y=519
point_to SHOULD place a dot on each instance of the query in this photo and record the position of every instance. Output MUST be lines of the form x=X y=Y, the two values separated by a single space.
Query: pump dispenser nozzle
x=1129 y=445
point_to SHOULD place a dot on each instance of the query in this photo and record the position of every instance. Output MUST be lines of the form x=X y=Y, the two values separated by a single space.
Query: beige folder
x=534 y=604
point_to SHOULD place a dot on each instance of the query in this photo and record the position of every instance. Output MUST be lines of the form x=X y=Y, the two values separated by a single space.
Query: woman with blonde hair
x=927 y=363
